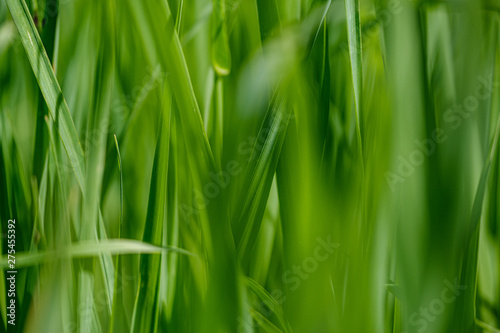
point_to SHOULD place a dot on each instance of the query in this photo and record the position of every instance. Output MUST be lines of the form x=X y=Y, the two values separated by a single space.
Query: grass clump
x=250 y=165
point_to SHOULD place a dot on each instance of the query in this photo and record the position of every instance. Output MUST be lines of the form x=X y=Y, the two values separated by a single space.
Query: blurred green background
x=251 y=165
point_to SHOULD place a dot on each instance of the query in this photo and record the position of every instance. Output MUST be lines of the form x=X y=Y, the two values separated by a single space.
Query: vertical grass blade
x=354 y=37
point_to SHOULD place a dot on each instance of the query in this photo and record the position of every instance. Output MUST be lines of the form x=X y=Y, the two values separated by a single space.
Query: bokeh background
x=251 y=165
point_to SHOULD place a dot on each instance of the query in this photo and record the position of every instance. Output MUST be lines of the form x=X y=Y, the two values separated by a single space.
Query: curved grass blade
x=217 y=236
x=469 y=265
x=264 y=323
x=88 y=249
x=48 y=85
x=266 y=298
x=260 y=172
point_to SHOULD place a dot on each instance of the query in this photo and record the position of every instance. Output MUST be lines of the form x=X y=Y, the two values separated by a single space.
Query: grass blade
x=48 y=85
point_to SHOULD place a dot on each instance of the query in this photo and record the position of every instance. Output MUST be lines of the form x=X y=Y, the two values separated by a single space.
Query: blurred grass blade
x=260 y=172
x=146 y=309
x=89 y=249
x=269 y=19
x=270 y=302
x=221 y=55
x=264 y=322
x=469 y=268
x=118 y=322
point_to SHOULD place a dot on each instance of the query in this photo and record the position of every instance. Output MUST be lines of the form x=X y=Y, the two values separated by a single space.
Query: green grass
x=250 y=165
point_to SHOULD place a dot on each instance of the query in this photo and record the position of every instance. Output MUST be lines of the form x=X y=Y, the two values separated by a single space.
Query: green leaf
x=266 y=298
x=48 y=85
x=354 y=37
x=221 y=55
x=147 y=309
x=87 y=249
